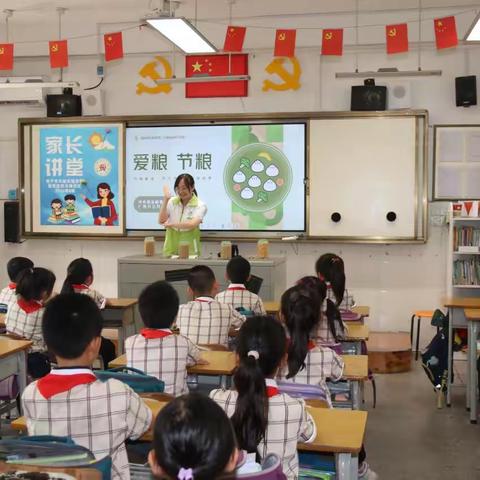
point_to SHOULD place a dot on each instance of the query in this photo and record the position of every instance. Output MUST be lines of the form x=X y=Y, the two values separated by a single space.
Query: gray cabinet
x=137 y=271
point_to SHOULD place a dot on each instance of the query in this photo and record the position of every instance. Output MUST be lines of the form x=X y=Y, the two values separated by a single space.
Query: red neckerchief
x=150 y=333
x=29 y=306
x=81 y=286
x=311 y=345
x=12 y=286
x=272 y=390
x=237 y=287
x=55 y=383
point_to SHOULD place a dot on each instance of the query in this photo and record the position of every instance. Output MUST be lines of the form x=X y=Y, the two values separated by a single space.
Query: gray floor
x=409 y=438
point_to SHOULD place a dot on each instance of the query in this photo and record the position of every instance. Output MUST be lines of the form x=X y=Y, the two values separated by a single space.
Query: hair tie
x=185 y=474
x=254 y=354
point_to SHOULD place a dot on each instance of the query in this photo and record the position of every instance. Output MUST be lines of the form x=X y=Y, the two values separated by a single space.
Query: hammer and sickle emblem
x=392 y=32
x=2 y=51
x=55 y=47
x=290 y=79
x=149 y=71
x=328 y=36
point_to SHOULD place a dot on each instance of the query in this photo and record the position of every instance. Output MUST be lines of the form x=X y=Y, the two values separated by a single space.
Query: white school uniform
x=164 y=355
x=207 y=321
x=288 y=423
x=97 y=415
x=96 y=296
x=24 y=318
x=8 y=294
x=238 y=296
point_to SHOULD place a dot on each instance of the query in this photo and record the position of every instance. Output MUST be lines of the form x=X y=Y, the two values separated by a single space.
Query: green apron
x=173 y=237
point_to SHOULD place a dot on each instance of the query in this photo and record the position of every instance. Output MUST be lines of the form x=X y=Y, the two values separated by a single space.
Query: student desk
x=119 y=313
x=356 y=371
x=456 y=311
x=362 y=310
x=338 y=431
x=219 y=363
x=473 y=319
x=356 y=333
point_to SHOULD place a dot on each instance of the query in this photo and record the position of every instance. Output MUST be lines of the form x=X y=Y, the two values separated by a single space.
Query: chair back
x=271 y=470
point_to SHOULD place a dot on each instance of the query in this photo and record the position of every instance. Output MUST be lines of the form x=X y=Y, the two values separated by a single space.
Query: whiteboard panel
x=363 y=168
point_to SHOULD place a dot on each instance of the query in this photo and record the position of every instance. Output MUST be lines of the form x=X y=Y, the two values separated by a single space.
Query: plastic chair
x=271 y=470
x=418 y=314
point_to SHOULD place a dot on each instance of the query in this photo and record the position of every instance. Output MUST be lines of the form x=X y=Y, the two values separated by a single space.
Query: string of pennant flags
x=396 y=37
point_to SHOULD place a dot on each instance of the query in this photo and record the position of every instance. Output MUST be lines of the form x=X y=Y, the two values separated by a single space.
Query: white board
x=363 y=168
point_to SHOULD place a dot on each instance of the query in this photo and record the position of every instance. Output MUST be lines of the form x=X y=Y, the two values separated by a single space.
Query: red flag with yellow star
x=445 y=32
x=113 y=46
x=332 y=41
x=397 y=38
x=285 y=43
x=6 y=56
x=234 y=39
x=58 y=53
x=214 y=66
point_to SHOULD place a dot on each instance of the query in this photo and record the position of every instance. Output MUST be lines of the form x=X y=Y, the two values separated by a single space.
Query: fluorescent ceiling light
x=182 y=34
x=473 y=33
x=203 y=79
x=10 y=85
x=393 y=72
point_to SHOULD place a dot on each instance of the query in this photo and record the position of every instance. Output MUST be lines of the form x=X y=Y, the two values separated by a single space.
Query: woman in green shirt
x=181 y=216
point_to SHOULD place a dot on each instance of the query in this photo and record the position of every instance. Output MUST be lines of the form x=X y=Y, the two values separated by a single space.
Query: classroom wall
x=393 y=279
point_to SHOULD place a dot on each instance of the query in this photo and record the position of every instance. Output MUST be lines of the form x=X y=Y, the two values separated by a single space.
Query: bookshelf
x=463 y=268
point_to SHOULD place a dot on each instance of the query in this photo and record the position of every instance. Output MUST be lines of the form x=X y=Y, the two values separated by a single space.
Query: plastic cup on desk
x=184 y=250
x=262 y=248
x=226 y=250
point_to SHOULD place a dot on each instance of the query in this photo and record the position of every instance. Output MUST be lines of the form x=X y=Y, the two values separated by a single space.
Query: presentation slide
x=251 y=177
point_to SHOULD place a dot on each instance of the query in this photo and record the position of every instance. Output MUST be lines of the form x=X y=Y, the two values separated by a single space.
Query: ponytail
x=332 y=269
x=77 y=273
x=301 y=311
x=334 y=319
x=261 y=345
x=33 y=283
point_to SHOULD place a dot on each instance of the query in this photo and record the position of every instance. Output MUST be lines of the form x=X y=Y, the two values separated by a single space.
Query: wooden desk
x=456 y=311
x=272 y=307
x=356 y=371
x=219 y=363
x=119 y=314
x=362 y=310
x=13 y=361
x=473 y=319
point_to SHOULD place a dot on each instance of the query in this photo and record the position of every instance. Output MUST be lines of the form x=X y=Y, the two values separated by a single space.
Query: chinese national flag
x=445 y=32
x=234 y=39
x=214 y=66
x=397 y=38
x=58 y=53
x=6 y=56
x=113 y=46
x=285 y=43
x=332 y=41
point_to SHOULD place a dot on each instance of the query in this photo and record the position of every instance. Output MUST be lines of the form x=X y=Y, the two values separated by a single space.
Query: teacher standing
x=181 y=216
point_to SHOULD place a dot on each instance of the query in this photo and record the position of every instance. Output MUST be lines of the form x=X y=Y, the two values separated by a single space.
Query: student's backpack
x=435 y=360
x=138 y=381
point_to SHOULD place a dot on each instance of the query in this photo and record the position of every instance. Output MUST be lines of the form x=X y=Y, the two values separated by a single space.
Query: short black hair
x=16 y=265
x=238 y=270
x=193 y=431
x=201 y=279
x=70 y=322
x=70 y=196
x=158 y=304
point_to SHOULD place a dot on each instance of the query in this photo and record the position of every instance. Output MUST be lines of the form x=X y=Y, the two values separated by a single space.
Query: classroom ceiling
x=30 y=10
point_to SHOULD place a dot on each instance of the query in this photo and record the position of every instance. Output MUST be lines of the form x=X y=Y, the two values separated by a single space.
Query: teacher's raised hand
x=167 y=194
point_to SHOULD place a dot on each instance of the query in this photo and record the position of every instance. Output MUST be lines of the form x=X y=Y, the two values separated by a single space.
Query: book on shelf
x=465 y=237
x=466 y=272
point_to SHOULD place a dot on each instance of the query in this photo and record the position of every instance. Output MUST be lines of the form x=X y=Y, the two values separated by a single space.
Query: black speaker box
x=11 y=220
x=65 y=105
x=368 y=97
x=466 y=91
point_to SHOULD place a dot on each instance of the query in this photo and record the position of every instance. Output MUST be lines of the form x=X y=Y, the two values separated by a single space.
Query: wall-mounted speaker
x=11 y=220
x=92 y=102
x=466 y=91
x=368 y=97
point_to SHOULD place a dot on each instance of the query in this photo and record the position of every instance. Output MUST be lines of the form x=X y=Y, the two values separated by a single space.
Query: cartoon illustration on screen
x=56 y=215
x=70 y=214
x=103 y=209
x=257 y=177
x=100 y=142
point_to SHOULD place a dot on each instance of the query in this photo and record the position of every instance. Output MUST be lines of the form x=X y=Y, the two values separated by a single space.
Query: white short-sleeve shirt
x=177 y=213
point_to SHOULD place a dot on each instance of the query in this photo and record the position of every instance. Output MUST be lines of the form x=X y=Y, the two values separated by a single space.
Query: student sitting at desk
x=265 y=420
x=157 y=350
x=15 y=266
x=70 y=401
x=307 y=362
x=79 y=280
x=24 y=317
x=236 y=294
x=204 y=320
